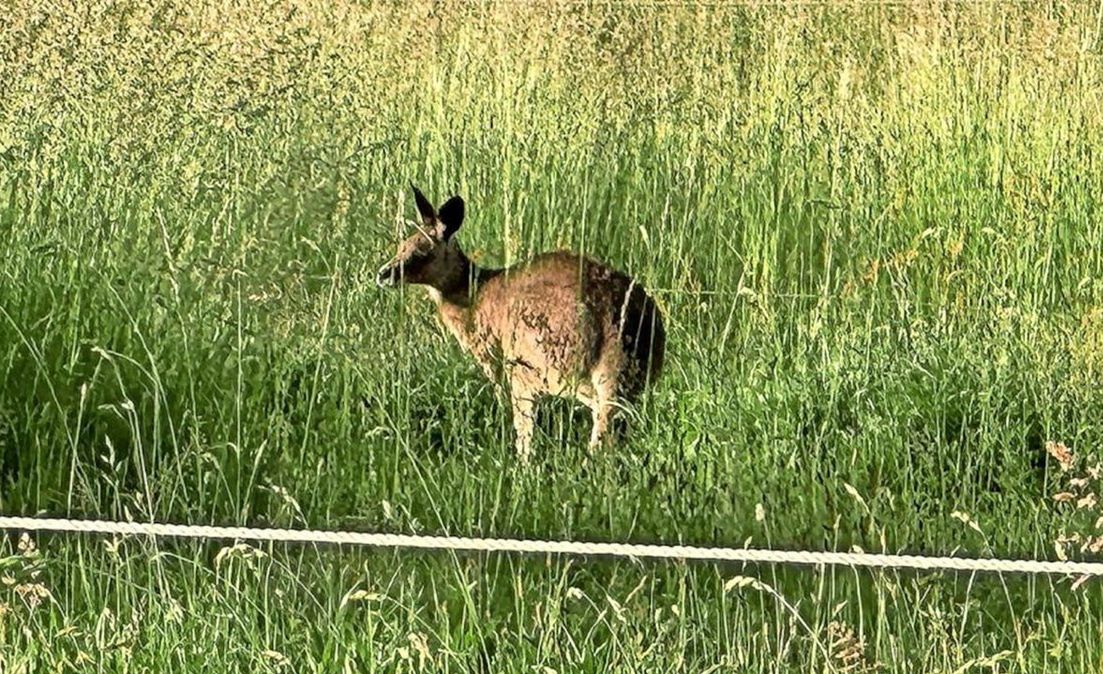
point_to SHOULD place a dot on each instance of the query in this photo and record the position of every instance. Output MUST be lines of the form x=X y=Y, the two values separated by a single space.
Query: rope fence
x=511 y=545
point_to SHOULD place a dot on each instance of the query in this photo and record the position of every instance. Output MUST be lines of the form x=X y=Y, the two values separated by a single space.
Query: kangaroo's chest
x=475 y=335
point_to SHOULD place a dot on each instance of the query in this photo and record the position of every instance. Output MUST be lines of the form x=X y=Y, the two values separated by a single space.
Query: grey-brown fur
x=559 y=324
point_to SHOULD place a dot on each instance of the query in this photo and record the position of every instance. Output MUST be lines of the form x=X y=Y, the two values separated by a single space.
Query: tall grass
x=875 y=230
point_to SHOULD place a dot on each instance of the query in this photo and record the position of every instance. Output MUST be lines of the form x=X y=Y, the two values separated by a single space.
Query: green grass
x=876 y=232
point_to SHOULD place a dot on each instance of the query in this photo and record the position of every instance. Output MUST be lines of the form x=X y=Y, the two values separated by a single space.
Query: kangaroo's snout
x=387 y=276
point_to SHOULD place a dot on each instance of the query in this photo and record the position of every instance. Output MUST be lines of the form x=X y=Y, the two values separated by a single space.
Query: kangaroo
x=560 y=324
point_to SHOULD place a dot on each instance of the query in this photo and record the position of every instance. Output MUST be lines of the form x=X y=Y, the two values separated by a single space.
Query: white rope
x=681 y=552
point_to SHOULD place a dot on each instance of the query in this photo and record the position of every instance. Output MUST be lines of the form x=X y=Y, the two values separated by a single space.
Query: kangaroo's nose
x=387 y=276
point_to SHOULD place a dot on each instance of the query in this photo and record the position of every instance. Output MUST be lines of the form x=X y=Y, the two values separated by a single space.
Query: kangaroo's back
x=572 y=314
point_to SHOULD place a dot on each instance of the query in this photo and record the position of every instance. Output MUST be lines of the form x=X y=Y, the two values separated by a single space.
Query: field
x=876 y=231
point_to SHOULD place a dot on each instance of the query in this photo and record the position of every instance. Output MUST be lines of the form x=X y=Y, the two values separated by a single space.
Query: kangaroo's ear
x=424 y=208
x=450 y=217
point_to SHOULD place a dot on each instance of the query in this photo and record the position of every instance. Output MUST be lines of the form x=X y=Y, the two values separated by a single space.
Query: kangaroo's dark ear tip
x=454 y=204
x=424 y=208
x=451 y=215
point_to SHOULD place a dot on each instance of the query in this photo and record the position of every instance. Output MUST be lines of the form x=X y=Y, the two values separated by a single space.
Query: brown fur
x=560 y=324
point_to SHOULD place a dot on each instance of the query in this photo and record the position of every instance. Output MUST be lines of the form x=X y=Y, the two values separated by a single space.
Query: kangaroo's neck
x=455 y=300
x=461 y=289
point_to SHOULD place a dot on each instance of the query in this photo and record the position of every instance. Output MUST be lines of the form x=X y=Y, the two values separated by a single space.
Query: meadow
x=876 y=231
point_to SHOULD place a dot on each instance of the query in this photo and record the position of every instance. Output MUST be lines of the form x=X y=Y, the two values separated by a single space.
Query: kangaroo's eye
x=416 y=261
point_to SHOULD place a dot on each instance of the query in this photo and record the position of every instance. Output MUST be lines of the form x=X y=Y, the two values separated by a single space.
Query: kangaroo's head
x=429 y=257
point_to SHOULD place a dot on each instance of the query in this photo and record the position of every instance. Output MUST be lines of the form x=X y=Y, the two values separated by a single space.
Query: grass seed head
x=1062 y=453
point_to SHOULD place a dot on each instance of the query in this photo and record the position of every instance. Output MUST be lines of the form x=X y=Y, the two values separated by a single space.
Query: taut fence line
x=581 y=548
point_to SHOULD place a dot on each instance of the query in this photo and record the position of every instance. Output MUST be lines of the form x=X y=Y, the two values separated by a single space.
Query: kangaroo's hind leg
x=604 y=379
x=603 y=416
x=523 y=403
